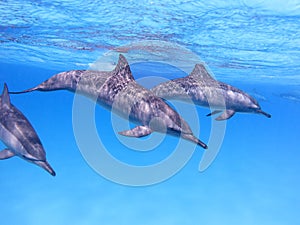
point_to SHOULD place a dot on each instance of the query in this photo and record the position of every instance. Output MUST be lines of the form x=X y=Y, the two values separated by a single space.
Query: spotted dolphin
x=200 y=87
x=19 y=136
x=118 y=91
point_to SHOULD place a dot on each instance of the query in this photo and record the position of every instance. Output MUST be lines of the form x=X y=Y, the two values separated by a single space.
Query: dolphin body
x=19 y=136
x=117 y=90
x=200 y=87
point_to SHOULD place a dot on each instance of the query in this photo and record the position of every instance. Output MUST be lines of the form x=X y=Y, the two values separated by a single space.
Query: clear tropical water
x=253 y=45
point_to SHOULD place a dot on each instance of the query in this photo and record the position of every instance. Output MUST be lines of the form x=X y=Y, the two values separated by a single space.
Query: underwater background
x=252 y=45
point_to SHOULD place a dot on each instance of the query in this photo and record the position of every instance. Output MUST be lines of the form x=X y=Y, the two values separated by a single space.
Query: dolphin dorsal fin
x=123 y=69
x=5 y=96
x=200 y=72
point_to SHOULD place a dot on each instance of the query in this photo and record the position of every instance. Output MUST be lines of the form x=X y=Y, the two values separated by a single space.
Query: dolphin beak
x=264 y=113
x=192 y=138
x=45 y=165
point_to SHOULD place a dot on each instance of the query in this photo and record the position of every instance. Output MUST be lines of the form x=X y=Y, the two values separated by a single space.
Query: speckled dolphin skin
x=19 y=136
x=200 y=87
x=117 y=90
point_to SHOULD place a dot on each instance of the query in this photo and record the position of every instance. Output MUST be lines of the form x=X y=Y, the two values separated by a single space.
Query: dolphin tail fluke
x=264 y=113
x=192 y=138
x=25 y=91
x=45 y=165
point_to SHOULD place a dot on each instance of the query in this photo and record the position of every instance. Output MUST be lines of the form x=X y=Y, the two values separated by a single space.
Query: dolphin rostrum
x=200 y=87
x=19 y=136
x=117 y=90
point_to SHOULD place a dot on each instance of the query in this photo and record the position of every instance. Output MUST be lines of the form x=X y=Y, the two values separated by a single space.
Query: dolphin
x=200 y=87
x=19 y=136
x=117 y=91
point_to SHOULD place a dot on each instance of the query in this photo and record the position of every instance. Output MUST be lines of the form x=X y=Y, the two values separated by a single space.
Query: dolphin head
x=173 y=123
x=259 y=111
x=39 y=159
x=255 y=107
x=249 y=104
x=36 y=154
x=45 y=165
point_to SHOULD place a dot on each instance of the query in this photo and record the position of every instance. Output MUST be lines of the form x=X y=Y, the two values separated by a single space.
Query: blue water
x=253 y=45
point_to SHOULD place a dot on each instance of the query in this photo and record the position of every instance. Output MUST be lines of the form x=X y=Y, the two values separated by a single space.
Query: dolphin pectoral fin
x=139 y=131
x=214 y=112
x=226 y=115
x=6 y=154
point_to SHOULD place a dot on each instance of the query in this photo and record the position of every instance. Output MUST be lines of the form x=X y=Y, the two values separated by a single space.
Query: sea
x=248 y=175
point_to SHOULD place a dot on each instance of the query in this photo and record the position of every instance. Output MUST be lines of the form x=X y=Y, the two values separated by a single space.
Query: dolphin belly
x=13 y=143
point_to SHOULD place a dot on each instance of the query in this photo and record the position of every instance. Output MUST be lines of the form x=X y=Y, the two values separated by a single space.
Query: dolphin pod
x=200 y=87
x=19 y=136
x=117 y=91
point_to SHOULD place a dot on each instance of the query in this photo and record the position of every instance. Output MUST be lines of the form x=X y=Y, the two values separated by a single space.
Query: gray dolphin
x=200 y=87
x=117 y=90
x=19 y=136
